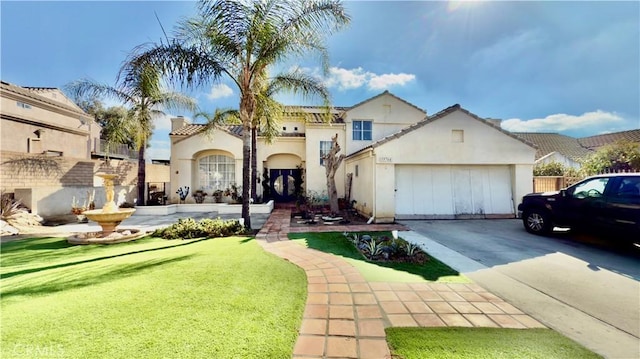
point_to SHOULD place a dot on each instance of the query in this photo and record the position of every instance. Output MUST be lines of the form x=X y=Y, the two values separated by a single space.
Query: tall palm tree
x=144 y=98
x=241 y=40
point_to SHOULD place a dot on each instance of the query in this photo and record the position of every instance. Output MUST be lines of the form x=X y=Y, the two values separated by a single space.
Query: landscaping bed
x=431 y=270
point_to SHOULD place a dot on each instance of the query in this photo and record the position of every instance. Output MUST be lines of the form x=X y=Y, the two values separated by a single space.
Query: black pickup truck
x=607 y=203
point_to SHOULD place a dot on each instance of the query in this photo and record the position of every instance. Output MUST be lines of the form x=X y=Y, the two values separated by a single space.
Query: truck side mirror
x=563 y=192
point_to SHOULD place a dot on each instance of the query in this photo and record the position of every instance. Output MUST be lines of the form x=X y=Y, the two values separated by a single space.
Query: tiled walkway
x=345 y=315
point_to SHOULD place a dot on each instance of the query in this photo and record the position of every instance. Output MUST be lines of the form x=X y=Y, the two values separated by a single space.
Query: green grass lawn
x=153 y=298
x=336 y=243
x=483 y=343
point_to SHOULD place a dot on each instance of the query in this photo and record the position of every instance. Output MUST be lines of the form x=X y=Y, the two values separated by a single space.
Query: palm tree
x=144 y=98
x=270 y=113
x=241 y=40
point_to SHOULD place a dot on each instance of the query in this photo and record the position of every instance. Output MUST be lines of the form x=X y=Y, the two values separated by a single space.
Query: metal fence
x=115 y=150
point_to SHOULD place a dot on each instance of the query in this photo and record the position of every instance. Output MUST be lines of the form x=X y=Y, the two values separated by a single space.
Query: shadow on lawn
x=336 y=243
x=90 y=276
x=26 y=258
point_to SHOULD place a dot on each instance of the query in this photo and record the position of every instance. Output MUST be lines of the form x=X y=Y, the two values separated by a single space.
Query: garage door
x=424 y=191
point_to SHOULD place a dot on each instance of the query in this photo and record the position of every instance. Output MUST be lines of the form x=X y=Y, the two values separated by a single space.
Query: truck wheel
x=536 y=221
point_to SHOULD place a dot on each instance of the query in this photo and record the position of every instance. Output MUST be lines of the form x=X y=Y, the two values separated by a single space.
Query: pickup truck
x=607 y=203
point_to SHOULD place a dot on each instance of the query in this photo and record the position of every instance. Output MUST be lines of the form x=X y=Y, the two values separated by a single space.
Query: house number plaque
x=385 y=159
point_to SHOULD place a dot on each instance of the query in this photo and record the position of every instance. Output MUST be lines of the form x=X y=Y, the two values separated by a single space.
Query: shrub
x=622 y=156
x=188 y=228
x=9 y=206
x=554 y=169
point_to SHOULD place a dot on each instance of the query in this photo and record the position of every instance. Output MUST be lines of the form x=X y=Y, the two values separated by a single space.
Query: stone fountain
x=109 y=217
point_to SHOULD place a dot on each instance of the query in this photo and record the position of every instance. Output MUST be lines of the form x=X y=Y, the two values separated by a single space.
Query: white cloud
x=348 y=79
x=220 y=91
x=563 y=122
x=381 y=82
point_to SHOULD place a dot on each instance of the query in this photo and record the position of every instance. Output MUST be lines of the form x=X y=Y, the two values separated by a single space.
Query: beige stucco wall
x=432 y=144
x=185 y=153
x=389 y=115
x=71 y=132
x=316 y=175
x=362 y=187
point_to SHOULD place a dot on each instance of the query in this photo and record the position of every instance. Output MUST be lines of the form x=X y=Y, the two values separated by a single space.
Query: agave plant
x=9 y=207
x=374 y=248
x=412 y=249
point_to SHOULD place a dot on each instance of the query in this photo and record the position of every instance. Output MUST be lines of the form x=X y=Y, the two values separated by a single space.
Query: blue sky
x=566 y=67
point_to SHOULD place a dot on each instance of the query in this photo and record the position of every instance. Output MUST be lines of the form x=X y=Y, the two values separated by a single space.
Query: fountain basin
x=109 y=220
x=119 y=236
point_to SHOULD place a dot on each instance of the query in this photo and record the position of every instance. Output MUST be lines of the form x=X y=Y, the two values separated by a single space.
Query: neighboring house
x=50 y=150
x=554 y=147
x=403 y=163
x=42 y=120
x=595 y=142
x=570 y=151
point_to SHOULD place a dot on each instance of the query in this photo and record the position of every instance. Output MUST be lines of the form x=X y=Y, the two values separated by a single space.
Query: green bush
x=622 y=156
x=554 y=169
x=188 y=228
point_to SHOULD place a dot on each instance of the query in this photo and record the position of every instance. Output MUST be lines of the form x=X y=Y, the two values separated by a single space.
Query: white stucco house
x=403 y=163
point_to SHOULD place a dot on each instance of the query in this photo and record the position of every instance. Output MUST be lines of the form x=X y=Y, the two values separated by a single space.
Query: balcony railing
x=114 y=150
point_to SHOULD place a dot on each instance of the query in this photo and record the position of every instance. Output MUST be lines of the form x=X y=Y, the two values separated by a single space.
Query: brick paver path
x=345 y=315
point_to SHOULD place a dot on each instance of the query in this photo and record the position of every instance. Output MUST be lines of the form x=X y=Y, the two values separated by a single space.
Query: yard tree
x=144 y=98
x=331 y=162
x=240 y=41
x=622 y=156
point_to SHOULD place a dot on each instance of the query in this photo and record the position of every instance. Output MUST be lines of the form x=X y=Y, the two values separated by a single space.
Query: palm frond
x=89 y=89
x=220 y=117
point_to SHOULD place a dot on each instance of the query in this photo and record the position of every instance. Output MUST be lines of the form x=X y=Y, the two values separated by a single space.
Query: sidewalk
x=345 y=315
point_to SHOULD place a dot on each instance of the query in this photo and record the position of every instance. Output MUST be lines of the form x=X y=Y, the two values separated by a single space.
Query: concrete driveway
x=579 y=286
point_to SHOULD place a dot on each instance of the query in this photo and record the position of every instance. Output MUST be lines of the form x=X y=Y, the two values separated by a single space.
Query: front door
x=283 y=184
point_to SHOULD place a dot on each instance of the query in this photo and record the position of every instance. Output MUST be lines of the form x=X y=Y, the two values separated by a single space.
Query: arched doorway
x=285 y=177
x=285 y=184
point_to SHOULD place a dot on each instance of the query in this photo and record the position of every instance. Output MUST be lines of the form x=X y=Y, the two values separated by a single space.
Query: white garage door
x=425 y=191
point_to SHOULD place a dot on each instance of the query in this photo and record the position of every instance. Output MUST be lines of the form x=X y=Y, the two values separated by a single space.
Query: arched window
x=216 y=172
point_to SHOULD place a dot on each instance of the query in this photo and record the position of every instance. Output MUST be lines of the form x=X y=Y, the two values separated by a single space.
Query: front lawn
x=336 y=243
x=483 y=343
x=216 y=298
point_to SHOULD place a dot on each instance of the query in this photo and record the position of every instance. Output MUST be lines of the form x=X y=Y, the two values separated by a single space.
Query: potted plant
x=183 y=192
x=199 y=195
x=217 y=196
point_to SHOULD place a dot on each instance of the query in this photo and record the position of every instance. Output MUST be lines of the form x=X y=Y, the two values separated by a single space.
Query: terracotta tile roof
x=554 y=142
x=188 y=130
x=315 y=114
x=193 y=129
x=594 y=142
x=311 y=114
x=435 y=117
